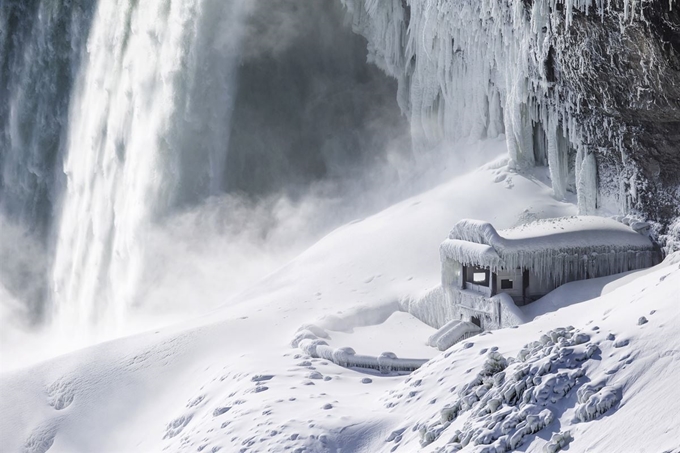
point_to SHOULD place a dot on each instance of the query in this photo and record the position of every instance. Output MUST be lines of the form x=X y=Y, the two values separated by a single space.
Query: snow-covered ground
x=231 y=381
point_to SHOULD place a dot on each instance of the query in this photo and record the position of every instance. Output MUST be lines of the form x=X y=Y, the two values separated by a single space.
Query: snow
x=405 y=335
x=451 y=333
x=231 y=380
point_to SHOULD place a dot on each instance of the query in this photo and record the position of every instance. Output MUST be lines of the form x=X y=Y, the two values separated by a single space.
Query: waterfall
x=148 y=120
x=131 y=126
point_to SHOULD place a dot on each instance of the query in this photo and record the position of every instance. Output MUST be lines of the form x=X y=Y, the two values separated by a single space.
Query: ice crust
x=558 y=250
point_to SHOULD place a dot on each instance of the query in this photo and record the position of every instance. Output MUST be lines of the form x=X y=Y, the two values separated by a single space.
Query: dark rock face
x=626 y=74
x=310 y=108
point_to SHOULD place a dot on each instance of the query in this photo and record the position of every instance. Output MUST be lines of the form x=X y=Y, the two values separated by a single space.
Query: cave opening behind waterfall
x=309 y=110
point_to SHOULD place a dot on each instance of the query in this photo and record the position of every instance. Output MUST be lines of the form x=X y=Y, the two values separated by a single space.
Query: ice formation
x=564 y=249
x=479 y=68
x=557 y=442
x=595 y=400
x=431 y=308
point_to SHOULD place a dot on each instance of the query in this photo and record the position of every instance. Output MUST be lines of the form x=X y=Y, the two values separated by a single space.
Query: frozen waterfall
x=469 y=69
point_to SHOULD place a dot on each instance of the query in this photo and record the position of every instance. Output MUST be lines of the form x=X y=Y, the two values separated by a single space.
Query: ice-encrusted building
x=486 y=274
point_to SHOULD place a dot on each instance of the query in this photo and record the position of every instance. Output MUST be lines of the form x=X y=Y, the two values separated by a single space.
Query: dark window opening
x=506 y=283
x=476 y=321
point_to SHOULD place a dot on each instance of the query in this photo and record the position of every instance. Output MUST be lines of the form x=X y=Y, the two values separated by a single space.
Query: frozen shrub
x=580 y=338
x=595 y=403
x=449 y=413
x=557 y=442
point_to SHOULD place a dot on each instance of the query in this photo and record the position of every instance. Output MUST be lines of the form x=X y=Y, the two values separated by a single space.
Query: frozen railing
x=310 y=339
x=386 y=363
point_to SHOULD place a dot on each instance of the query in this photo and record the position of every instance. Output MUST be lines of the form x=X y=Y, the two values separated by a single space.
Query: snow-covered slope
x=232 y=381
x=600 y=372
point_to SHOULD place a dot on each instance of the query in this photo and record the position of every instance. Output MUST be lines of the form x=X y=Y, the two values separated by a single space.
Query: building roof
x=546 y=245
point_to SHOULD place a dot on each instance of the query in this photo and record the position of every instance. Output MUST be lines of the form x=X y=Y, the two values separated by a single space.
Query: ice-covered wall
x=556 y=250
x=589 y=88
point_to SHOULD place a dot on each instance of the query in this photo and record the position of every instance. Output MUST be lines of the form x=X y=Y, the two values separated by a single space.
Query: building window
x=506 y=283
x=477 y=276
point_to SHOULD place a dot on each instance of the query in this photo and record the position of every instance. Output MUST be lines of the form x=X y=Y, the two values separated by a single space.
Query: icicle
x=555 y=162
x=556 y=250
x=586 y=180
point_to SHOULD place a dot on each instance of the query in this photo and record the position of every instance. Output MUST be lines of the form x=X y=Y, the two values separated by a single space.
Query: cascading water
x=41 y=47
x=155 y=92
x=138 y=134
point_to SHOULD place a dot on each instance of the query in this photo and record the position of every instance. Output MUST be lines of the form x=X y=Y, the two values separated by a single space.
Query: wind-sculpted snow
x=479 y=68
